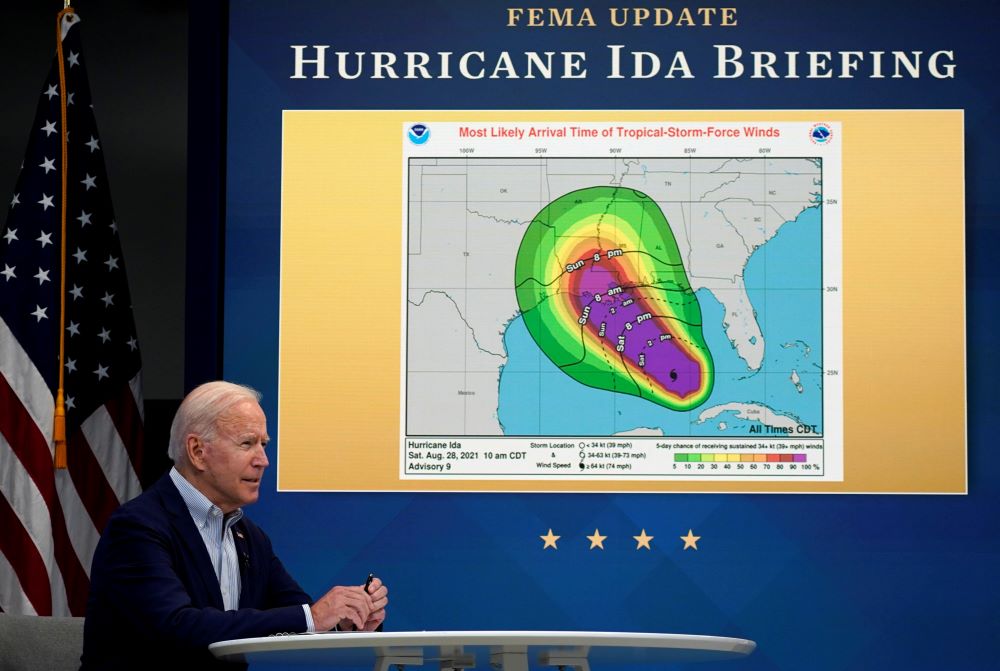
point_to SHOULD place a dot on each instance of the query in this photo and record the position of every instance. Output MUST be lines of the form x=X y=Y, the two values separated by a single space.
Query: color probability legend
x=613 y=301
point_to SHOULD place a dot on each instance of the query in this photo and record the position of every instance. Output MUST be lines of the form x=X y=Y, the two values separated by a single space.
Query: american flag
x=51 y=519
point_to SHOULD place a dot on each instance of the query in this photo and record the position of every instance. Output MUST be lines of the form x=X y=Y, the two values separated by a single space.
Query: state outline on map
x=732 y=211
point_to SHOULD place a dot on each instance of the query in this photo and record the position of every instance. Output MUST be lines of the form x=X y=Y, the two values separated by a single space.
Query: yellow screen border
x=903 y=302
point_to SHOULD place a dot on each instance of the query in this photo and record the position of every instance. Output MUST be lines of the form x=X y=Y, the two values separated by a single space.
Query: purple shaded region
x=799 y=458
x=626 y=323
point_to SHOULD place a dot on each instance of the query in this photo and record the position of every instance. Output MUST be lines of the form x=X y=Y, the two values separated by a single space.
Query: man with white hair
x=181 y=567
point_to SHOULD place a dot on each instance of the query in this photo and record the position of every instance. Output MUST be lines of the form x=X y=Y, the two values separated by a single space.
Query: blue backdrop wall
x=820 y=581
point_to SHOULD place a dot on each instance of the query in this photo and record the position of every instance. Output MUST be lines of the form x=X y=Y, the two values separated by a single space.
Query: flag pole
x=59 y=418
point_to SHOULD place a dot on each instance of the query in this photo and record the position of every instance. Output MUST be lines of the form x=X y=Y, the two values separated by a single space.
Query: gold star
x=550 y=540
x=597 y=540
x=690 y=541
x=642 y=540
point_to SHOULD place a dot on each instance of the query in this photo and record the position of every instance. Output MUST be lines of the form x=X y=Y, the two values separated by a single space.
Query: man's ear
x=195 y=448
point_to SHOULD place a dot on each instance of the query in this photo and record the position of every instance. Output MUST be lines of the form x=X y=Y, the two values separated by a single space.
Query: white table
x=501 y=650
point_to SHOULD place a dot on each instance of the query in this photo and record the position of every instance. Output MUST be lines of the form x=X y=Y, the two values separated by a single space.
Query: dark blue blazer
x=155 y=602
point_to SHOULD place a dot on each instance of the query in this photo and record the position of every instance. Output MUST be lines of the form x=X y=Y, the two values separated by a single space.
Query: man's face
x=234 y=460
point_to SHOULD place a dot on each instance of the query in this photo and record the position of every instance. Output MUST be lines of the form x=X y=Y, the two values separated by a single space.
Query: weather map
x=601 y=287
x=647 y=313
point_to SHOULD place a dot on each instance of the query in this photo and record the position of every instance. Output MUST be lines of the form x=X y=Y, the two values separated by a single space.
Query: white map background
x=465 y=221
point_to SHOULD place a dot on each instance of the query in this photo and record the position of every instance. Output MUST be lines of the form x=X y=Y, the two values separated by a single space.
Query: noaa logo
x=821 y=134
x=418 y=133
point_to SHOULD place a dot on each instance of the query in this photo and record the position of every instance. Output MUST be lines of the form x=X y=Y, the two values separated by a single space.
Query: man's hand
x=379 y=595
x=351 y=607
x=342 y=605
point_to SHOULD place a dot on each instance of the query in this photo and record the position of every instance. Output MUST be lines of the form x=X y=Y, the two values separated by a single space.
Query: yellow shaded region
x=903 y=292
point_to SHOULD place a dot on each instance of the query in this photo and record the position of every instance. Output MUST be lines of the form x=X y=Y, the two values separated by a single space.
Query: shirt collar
x=202 y=510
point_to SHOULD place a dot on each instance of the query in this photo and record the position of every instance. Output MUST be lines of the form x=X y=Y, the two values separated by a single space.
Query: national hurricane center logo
x=821 y=133
x=418 y=133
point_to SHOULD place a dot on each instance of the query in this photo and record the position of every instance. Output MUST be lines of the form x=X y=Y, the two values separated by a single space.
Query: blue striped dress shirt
x=217 y=533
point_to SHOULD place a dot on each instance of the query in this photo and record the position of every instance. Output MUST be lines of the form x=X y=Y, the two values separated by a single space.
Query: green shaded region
x=603 y=218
